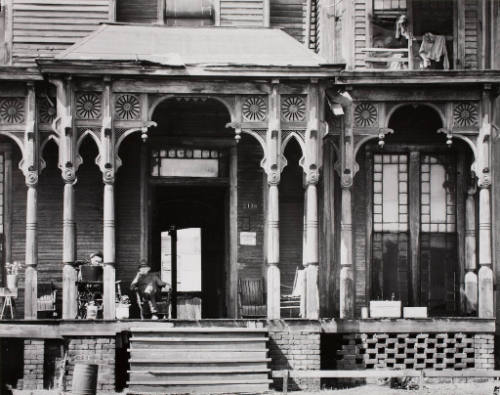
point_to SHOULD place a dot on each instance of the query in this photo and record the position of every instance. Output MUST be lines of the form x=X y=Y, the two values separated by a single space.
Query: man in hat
x=148 y=284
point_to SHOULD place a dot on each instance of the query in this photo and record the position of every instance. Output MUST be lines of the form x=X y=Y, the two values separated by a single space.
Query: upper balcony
x=415 y=34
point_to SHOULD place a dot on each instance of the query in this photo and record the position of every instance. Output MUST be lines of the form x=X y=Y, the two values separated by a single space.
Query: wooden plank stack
x=198 y=360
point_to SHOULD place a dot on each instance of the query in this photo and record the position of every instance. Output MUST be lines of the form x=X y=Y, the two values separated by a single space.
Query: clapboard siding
x=50 y=207
x=138 y=11
x=88 y=205
x=250 y=219
x=289 y=15
x=471 y=34
x=359 y=209
x=360 y=32
x=18 y=224
x=242 y=12
x=291 y=208
x=128 y=209
x=42 y=28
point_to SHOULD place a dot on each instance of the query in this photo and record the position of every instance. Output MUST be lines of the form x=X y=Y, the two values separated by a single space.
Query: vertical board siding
x=242 y=12
x=471 y=34
x=290 y=15
x=360 y=32
x=42 y=28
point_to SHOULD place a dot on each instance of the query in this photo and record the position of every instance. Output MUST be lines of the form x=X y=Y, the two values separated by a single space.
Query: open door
x=181 y=268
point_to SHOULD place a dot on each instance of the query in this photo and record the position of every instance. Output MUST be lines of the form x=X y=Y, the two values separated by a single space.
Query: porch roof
x=184 y=50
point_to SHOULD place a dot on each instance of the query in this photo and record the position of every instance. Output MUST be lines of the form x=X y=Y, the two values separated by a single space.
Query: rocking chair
x=251 y=298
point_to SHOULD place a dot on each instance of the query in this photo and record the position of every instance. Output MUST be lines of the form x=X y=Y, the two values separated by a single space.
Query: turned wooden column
x=346 y=271
x=311 y=261
x=273 y=251
x=485 y=275
x=311 y=168
x=273 y=170
x=108 y=174
x=470 y=279
x=63 y=126
x=31 y=171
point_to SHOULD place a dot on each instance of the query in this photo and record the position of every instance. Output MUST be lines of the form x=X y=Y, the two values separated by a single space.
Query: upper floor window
x=169 y=12
x=412 y=34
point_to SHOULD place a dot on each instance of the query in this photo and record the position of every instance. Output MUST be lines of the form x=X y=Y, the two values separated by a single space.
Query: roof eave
x=100 y=67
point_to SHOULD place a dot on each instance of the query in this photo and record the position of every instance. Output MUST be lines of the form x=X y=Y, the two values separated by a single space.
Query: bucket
x=84 y=379
x=12 y=282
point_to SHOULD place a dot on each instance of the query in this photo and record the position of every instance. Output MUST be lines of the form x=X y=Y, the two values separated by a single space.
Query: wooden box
x=415 y=312
x=385 y=309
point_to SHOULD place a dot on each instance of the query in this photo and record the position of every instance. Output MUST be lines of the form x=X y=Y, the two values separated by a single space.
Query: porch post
x=273 y=170
x=347 y=168
x=470 y=279
x=311 y=261
x=30 y=167
x=485 y=308
x=485 y=275
x=63 y=125
x=346 y=272
x=108 y=170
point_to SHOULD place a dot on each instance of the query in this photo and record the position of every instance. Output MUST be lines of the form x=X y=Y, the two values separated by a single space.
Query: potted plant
x=12 y=272
x=122 y=307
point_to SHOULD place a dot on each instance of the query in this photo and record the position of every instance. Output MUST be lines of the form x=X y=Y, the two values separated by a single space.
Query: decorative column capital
x=31 y=178
x=484 y=179
x=312 y=175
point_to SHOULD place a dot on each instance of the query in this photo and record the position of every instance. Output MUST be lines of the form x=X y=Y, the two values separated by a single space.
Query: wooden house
x=326 y=154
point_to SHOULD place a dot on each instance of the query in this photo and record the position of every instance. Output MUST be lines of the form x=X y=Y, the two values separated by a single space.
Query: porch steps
x=198 y=360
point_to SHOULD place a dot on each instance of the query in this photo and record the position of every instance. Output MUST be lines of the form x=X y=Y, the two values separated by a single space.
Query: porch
x=438 y=344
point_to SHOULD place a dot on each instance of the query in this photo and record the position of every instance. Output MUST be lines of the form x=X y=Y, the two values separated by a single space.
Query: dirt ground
x=428 y=389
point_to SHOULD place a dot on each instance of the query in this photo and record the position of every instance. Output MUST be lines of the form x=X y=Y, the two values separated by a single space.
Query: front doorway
x=417 y=187
x=189 y=247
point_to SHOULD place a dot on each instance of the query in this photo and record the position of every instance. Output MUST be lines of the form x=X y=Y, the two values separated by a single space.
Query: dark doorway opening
x=199 y=213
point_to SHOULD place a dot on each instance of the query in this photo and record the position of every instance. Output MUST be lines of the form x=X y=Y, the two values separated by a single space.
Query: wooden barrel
x=84 y=379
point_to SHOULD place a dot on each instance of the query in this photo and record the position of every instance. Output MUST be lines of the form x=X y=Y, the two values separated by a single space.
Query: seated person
x=96 y=258
x=93 y=268
x=148 y=284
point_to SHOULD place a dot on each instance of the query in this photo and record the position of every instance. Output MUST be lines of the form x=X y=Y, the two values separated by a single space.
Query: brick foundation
x=96 y=350
x=415 y=351
x=297 y=350
x=33 y=364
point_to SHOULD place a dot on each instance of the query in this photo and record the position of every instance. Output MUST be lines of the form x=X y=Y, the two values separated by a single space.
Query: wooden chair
x=251 y=298
x=163 y=303
x=46 y=301
x=290 y=303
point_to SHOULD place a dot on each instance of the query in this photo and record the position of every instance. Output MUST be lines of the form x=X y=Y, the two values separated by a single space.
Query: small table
x=7 y=294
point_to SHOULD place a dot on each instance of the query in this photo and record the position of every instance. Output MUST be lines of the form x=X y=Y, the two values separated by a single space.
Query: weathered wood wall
x=472 y=38
x=41 y=28
x=291 y=217
x=290 y=15
x=359 y=235
x=128 y=209
x=242 y=13
x=250 y=218
x=137 y=11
